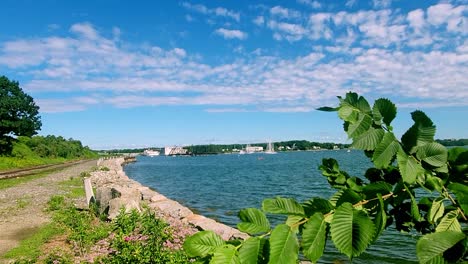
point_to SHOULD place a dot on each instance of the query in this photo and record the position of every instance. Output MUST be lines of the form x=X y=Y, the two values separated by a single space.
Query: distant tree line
x=292 y=145
x=51 y=147
x=453 y=142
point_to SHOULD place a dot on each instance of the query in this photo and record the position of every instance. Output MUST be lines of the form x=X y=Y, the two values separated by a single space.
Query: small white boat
x=151 y=153
x=270 y=149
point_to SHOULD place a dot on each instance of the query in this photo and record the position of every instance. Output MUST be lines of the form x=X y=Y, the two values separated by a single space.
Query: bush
x=141 y=238
x=362 y=208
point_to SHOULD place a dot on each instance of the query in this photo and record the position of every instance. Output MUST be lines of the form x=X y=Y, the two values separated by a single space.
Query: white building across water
x=168 y=151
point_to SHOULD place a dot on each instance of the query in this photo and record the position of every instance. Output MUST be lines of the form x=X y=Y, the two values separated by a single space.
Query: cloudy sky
x=125 y=74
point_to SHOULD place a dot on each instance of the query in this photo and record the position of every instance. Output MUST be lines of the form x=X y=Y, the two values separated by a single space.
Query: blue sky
x=117 y=74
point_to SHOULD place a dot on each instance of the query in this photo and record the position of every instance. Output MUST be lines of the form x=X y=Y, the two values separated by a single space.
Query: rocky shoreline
x=114 y=190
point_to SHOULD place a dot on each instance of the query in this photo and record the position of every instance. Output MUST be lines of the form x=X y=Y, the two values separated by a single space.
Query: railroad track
x=33 y=170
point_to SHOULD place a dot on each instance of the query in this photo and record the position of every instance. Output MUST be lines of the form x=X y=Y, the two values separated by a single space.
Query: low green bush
x=142 y=238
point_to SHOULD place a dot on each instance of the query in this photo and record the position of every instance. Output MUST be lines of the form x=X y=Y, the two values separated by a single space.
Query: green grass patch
x=74 y=187
x=10 y=163
x=30 y=248
x=8 y=183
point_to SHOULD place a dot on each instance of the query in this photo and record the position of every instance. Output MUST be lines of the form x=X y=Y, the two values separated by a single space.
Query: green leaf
x=421 y=133
x=372 y=189
x=449 y=222
x=356 y=101
x=430 y=247
x=202 y=243
x=461 y=193
x=346 y=195
x=347 y=113
x=384 y=110
x=361 y=125
x=251 y=251
x=433 y=153
x=351 y=230
x=280 y=205
x=292 y=221
x=253 y=221
x=414 y=206
x=369 y=140
x=409 y=167
x=327 y=109
x=284 y=247
x=380 y=219
x=436 y=211
x=317 y=205
x=314 y=237
x=385 y=152
x=226 y=254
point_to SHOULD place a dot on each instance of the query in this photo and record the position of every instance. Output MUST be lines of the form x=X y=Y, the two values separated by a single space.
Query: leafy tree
x=19 y=115
x=415 y=184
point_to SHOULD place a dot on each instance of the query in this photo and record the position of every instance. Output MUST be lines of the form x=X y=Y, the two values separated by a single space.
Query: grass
x=30 y=248
x=8 y=183
x=73 y=187
x=10 y=163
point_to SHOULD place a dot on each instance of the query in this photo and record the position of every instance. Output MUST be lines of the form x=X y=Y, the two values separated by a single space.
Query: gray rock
x=118 y=203
x=171 y=208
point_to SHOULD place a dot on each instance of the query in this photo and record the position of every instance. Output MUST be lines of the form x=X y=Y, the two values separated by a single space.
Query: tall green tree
x=19 y=115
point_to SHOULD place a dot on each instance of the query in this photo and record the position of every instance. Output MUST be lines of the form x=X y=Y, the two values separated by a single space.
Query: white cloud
x=454 y=17
x=231 y=33
x=84 y=29
x=381 y=3
x=259 y=21
x=218 y=11
x=291 y=32
x=286 y=13
x=350 y=3
x=110 y=71
x=311 y=3
x=416 y=19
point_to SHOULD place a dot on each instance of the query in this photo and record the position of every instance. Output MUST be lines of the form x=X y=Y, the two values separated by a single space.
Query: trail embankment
x=22 y=206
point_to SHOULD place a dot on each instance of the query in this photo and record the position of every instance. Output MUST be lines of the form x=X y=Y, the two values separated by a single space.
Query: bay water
x=218 y=186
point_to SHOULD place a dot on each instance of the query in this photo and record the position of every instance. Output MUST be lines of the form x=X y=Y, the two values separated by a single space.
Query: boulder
x=118 y=203
x=171 y=208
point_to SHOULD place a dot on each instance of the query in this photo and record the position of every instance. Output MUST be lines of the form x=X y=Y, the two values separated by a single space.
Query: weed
x=141 y=238
x=22 y=203
x=104 y=168
x=55 y=203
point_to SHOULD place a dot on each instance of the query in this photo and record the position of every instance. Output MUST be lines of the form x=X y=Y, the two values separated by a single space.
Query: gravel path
x=22 y=206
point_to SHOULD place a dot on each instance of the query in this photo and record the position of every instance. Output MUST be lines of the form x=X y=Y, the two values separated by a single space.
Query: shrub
x=361 y=209
x=141 y=238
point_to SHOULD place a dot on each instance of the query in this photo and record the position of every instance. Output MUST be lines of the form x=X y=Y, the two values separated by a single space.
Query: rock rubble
x=115 y=190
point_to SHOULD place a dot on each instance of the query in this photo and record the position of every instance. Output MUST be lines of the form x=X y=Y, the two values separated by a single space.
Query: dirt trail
x=22 y=206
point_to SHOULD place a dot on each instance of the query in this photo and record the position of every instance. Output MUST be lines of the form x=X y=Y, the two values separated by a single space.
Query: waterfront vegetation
x=85 y=236
x=41 y=150
x=415 y=185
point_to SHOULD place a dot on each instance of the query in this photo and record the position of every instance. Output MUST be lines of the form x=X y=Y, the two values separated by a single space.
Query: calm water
x=219 y=186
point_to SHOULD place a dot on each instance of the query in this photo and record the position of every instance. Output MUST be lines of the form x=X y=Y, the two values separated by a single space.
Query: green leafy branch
x=363 y=207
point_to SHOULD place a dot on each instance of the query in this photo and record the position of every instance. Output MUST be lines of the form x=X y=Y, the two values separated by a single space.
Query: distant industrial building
x=168 y=151
x=253 y=149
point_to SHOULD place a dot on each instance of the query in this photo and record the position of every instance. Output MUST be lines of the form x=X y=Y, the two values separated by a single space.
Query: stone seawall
x=115 y=190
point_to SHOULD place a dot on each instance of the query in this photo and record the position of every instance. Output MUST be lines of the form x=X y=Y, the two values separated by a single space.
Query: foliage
x=453 y=142
x=40 y=150
x=140 y=238
x=415 y=184
x=19 y=115
x=79 y=225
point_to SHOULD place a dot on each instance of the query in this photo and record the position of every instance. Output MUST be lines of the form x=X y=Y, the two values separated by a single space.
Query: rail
x=37 y=169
